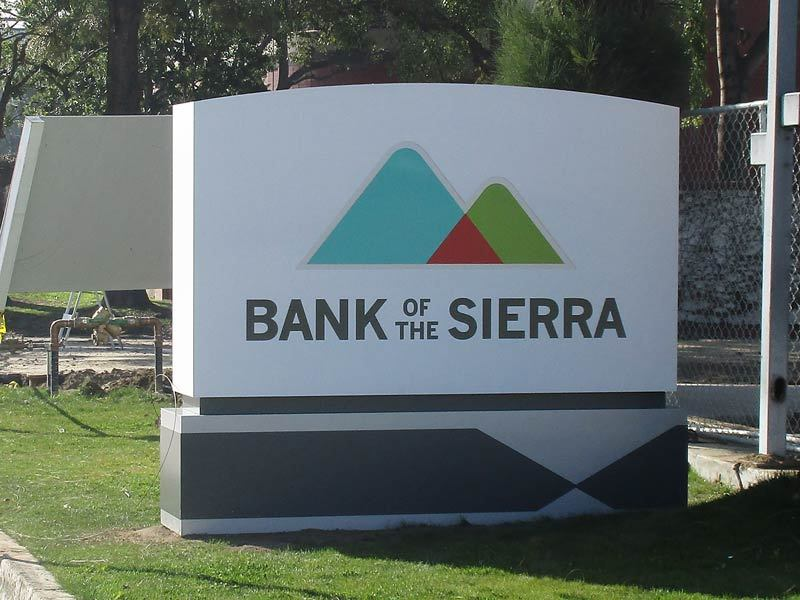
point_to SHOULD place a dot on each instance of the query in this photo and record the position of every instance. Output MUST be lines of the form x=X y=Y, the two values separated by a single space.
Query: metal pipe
x=716 y=110
x=90 y=323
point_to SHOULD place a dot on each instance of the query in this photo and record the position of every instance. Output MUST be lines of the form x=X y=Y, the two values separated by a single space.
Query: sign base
x=258 y=473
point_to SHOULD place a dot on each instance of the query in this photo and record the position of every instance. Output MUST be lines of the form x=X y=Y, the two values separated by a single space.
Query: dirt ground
x=701 y=361
x=24 y=360
x=158 y=534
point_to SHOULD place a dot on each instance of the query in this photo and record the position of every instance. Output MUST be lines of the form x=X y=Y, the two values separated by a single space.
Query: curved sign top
x=418 y=239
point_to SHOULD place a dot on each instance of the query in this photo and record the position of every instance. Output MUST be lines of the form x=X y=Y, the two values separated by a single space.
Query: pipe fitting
x=90 y=323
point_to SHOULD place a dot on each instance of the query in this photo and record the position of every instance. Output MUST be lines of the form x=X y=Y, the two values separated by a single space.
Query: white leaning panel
x=89 y=205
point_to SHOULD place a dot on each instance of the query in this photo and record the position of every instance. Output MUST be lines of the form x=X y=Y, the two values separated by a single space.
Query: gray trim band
x=426 y=403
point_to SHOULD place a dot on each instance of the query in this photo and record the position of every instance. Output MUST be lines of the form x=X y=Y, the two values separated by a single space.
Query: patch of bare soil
x=760 y=461
x=14 y=343
x=28 y=356
x=92 y=382
x=158 y=534
x=264 y=542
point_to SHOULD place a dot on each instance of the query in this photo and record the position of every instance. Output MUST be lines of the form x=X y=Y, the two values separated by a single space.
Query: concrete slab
x=737 y=465
x=23 y=578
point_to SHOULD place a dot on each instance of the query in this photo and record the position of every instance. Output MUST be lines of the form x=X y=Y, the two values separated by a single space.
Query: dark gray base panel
x=430 y=402
x=222 y=475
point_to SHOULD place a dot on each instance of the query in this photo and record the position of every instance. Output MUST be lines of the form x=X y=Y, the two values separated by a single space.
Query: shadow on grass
x=20 y=431
x=32 y=324
x=137 y=438
x=742 y=545
x=94 y=431
x=186 y=573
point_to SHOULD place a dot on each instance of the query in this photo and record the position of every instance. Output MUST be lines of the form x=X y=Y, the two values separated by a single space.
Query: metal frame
x=53 y=378
x=71 y=312
x=781 y=80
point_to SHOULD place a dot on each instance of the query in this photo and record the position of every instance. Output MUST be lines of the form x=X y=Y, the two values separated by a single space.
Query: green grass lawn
x=79 y=475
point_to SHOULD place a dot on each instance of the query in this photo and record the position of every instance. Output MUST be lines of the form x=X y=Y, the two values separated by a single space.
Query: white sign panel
x=424 y=239
x=89 y=206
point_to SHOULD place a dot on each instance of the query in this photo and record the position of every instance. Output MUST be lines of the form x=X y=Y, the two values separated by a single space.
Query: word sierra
x=487 y=318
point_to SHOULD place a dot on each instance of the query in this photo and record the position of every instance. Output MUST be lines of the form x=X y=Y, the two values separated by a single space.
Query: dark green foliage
x=188 y=50
x=631 y=49
x=195 y=49
x=43 y=47
x=695 y=30
x=443 y=41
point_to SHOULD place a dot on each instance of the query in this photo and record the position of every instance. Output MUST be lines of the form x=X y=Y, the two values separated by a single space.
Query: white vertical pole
x=781 y=79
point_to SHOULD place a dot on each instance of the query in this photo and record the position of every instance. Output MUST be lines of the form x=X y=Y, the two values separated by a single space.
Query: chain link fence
x=793 y=415
x=719 y=281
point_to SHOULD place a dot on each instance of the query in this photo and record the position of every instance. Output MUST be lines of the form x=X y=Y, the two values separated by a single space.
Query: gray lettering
x=610 y=319
x=504 y=317
x=547 y=319
x=266 y=318
x=369 y=317
x=463 y=318
x=296 y=320
x=580 y=319
x=339 y=323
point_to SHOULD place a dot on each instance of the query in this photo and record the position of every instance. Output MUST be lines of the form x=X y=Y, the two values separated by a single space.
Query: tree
x=633 y=49
x=694 y=28
x=146 y=55
x=196 y=49
x=123 y=94
x=740 y=53
x=418 y=40
x=31 y=42
x=15 y=69
x=73 y=78
x=444 y=40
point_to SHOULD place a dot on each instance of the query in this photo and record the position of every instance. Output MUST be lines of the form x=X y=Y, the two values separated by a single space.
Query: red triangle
x=464 y=245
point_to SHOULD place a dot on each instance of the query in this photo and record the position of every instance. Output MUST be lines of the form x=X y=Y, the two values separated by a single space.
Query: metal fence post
x=52 y=371
x=158 y=364
x=781 y=79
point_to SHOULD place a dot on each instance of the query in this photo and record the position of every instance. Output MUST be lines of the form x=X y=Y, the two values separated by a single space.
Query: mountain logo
x=408 y=214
